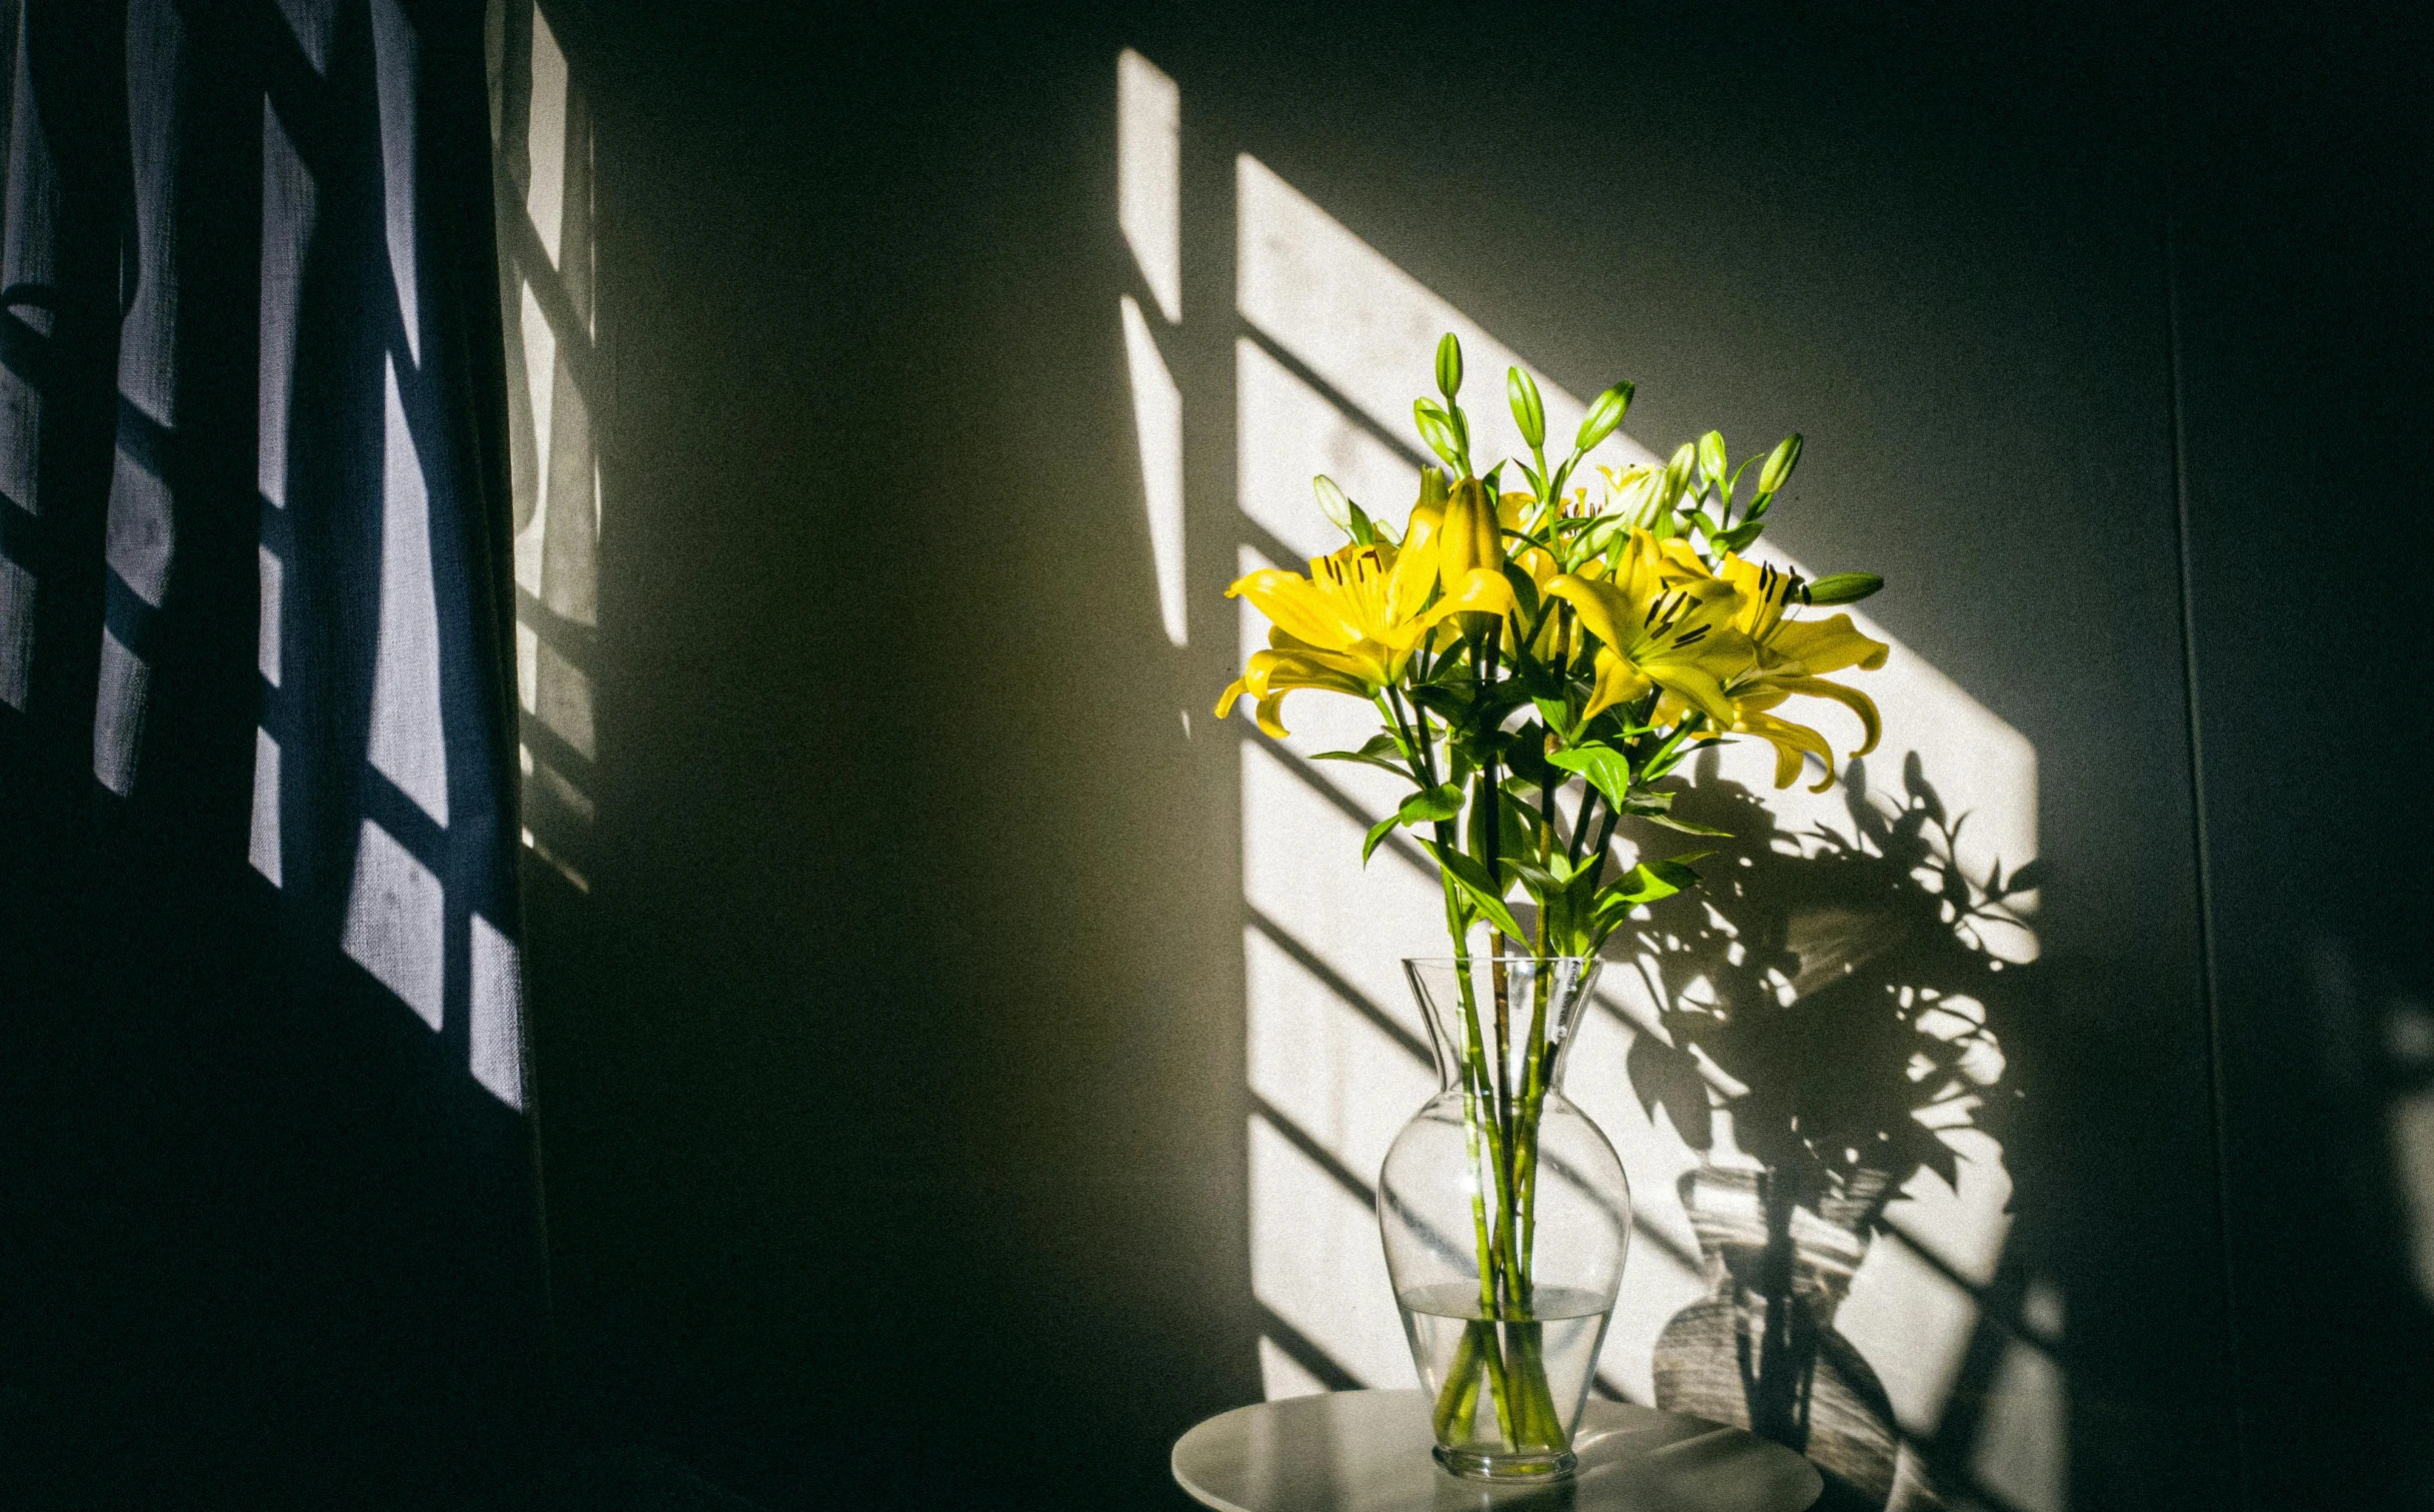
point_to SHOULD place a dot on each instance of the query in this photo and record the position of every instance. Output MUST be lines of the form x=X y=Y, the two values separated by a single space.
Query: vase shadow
x=1826 y=1005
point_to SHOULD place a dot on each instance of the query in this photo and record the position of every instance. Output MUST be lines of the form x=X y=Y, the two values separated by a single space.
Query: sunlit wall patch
x=542 y=136
x=1331 y=342
x=1149 y=209
x=396 y=924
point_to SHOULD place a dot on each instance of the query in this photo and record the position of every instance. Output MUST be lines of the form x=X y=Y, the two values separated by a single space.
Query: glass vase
x=1506 y=1217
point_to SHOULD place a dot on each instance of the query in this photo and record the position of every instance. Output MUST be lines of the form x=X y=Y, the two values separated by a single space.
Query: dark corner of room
x=1379 y=756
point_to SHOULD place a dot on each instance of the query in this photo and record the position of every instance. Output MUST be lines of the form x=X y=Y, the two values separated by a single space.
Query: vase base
x=1532 y=1467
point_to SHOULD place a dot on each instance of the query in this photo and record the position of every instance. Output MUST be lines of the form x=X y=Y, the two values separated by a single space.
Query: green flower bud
x=1780 y=464
x=1842 y=587
x=1333 y=502
x=1529 y=411
x=1711 y=457
x=1449 y=366
x=1678 y=475
x=1604 y=416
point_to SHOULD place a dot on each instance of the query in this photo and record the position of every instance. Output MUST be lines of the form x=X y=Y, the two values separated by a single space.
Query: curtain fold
x=271 y=1208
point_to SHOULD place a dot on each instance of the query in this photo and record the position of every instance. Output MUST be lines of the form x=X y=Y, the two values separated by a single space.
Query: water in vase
x=1522 y=1383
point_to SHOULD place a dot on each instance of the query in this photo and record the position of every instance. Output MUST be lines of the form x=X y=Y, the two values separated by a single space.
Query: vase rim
x=1474 y=959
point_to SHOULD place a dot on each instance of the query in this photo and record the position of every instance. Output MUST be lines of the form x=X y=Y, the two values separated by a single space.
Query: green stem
x=1580 y=823
x=1606 y=837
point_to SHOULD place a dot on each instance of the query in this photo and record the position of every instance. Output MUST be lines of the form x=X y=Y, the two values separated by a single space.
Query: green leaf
x=1528 y=410
x=1436 y=429
x=1472 y=880
x=1646 y=883
x=1333 y=502
x=1524 y=592
x=1711 y=457
x=1601 y=535
x=1780 y=464
x=1382 y=750
x=1427 y=807
x=1604 y=415
x=1676 y=868
x=1449 y=366
x=1844 y=587
x=1384 y=742
x=1377 y=835
x=1542 y=884
x=1556 y=714
x=1606 y=769
x=1684 y=826
x=1521 y=824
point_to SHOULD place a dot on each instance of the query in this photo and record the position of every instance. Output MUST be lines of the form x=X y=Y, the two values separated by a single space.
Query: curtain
x=268 y=1205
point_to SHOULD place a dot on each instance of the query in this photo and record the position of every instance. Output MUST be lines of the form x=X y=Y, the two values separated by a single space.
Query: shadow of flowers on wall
x=1827 y=1003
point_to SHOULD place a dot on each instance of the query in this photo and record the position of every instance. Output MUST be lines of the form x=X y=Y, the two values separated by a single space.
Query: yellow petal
x=1823 y=646
x=1273 y=674
x=1792 y=741
x=1265 y=713
x=1291 y=604
x=1618 y=681
x=1698 y=686
x=1601 y=606
x=1479 y=591
x=1699 y=653
x=1278 y=672
x=1849 y=698
x=1679 y=561
x=1416 y=560
x=1765 y=591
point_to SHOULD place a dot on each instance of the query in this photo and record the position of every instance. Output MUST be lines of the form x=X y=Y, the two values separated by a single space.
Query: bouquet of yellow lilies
x=1539 y=665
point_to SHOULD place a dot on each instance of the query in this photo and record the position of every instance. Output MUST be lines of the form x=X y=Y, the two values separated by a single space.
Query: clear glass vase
x=1506 y=1217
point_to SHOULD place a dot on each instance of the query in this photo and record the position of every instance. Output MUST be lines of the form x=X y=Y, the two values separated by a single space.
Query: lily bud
x=1604 y=416
x=1448 y=367
x=1529 y=411
x=1333 y=502
x=1712 y=455
x=1780 y=464
x=1471 y=539
x=1678 y=475
x=1842 y=587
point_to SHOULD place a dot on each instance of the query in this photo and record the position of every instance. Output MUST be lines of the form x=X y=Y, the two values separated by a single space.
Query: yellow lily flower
x=1352 y=625
x=1658 y=630
x=1792 y=657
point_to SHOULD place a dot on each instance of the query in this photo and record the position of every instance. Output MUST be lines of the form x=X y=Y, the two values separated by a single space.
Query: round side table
x=1367 y=1451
